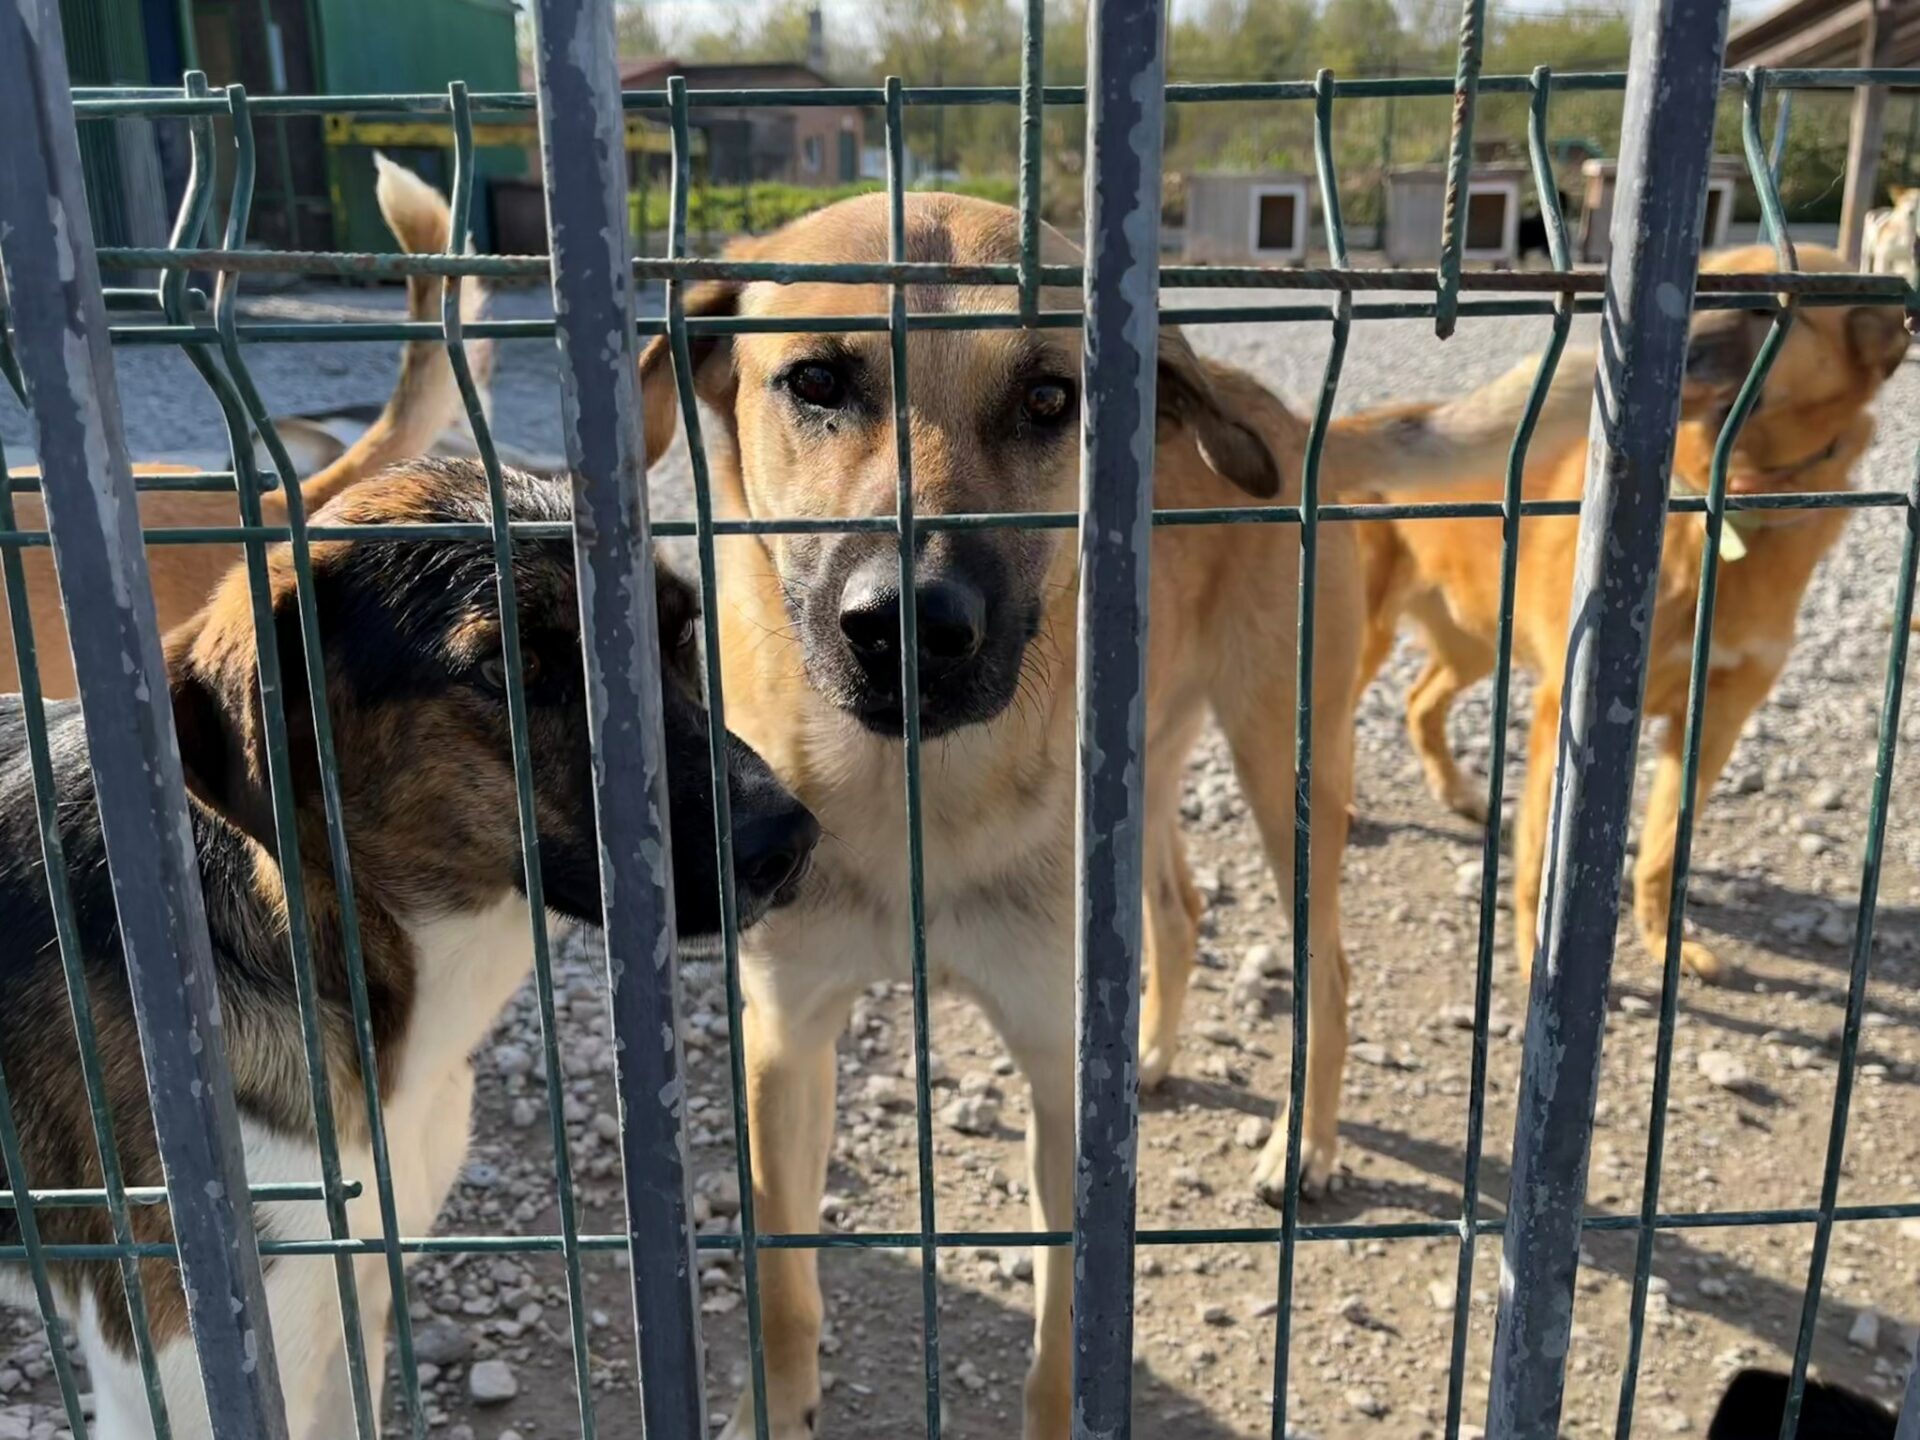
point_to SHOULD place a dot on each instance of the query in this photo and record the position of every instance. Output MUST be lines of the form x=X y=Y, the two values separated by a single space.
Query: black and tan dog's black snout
x=950 y=617
x=773 y=834
x=773 y=846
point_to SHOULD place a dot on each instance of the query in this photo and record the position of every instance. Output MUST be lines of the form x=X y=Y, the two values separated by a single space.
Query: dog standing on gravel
x=425 y=401
x=411 y=631
x=810 y=650
x=1811 y=426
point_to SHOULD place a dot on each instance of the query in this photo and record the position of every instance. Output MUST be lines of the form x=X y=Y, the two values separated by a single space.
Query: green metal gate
x=58 y=356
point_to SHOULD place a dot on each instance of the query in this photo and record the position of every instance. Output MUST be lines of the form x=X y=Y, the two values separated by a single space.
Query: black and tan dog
x=810 y=641
x=415 y=677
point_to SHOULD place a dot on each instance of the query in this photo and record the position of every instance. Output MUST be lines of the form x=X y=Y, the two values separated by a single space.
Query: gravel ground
x=1777 y=869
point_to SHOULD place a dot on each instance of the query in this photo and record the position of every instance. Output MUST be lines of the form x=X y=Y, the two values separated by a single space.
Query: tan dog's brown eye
x=1048 y=401
x=493 y=673
x=817 y=384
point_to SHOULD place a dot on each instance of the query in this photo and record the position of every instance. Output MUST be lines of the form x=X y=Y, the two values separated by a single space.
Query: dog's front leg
x=790 y=1085
x=1038 y=1030
x=1050 y=1152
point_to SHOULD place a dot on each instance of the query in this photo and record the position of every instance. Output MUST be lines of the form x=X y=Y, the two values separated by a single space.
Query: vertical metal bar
x=682 y=349
x=245 y=413
x=80 y=1002
x=60 y=896
x=1466 y=88
x=12 y=1157
x=9 y=367
x=51 y=1325
x=1697 y=696
x=189 y=42
x=1386 y=162
x=524 y=801
x=1650 y=280
x=1126 y=94
x=1303 y=742
x=910 y=726
x=1777 y=161
x=1560 y=253
x=1861 y=961
x=1033 y=39
x=87 y=484
x=583 y=160
x=1773 y=214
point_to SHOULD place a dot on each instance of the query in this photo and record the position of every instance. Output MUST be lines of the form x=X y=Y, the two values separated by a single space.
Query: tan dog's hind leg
x=1455 y=661
x=1732 y=695
x=790 y=1086
x=1530 y=831
x=1172 y=932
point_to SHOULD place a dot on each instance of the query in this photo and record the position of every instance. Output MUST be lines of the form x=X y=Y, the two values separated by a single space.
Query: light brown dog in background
x=424 y=402
x=1811 y=426
x=810 y=627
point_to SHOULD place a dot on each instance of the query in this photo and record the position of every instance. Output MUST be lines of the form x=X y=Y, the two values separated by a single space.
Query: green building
x=315 y=187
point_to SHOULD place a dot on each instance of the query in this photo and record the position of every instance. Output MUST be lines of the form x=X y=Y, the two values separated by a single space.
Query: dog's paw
x=1319 y=1171
x=1709 y=967
x=1468 y=801
x=741 y=1427
x=1156 y=1061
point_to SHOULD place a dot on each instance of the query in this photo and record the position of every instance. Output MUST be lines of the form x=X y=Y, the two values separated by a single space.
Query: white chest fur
x=466 y=968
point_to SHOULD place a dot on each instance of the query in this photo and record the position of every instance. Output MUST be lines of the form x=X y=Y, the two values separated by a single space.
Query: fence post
x=583 y=158
x=1125 y=111
x=1658 y=211
x=60 y=324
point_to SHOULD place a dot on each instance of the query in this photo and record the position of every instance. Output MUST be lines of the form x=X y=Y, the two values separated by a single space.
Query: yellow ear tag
x=1732 y=547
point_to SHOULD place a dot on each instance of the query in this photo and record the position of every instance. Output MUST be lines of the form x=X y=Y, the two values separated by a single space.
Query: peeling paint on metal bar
x=1673 y=73
x=1125 y=68
x=60 y=332
x=584 y=164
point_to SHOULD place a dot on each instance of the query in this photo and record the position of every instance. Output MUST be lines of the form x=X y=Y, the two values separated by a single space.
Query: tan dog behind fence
x=1810 y=428
x=810 y=627
x=425 y=401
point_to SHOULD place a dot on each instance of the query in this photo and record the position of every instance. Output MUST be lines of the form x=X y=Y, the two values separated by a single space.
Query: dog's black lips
x=569 y=881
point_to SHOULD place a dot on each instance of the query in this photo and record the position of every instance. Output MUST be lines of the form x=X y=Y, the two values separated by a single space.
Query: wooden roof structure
x=1822 y=34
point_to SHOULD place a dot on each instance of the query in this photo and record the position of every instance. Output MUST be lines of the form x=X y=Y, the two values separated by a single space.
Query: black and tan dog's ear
x=1189 y=399
x=214 y=677
x=712 y=359
x=1878 y=334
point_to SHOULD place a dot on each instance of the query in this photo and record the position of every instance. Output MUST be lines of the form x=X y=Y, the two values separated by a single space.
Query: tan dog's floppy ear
x=214 y=677
x=712 y=359
x=1879 y=337
x=1187 y=398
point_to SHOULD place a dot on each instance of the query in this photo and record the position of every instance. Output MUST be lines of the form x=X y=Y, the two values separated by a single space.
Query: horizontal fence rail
x=1645 y=297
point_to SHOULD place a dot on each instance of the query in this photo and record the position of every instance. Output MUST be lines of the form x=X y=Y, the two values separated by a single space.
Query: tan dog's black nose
x=951 y=615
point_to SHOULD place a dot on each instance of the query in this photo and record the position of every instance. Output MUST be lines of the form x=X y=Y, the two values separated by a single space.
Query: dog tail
x=1434 y=446
x=426 y=398
x=1755 y=1400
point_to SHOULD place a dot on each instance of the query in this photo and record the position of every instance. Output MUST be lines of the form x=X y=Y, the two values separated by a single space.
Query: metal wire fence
x=55 y=351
